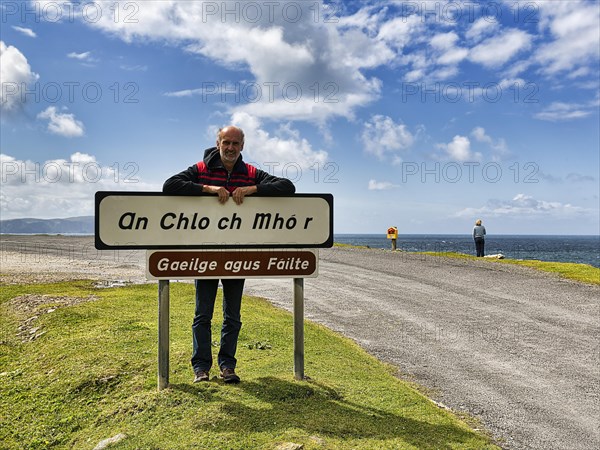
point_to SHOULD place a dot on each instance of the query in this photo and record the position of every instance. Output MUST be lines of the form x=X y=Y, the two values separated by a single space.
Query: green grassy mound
x=572 y=271
x=79 y=364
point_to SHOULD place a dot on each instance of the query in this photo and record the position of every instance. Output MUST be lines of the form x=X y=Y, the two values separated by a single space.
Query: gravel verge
x=516 y=348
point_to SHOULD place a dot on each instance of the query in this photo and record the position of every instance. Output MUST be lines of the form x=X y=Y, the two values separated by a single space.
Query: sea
x=574 y=249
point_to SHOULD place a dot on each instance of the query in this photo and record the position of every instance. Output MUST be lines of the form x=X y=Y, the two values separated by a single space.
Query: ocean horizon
x=582 y=249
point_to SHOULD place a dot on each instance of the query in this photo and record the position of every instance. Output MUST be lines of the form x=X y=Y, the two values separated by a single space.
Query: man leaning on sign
x=222 y=173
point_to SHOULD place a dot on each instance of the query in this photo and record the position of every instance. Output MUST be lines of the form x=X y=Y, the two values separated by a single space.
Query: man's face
x=230 y=144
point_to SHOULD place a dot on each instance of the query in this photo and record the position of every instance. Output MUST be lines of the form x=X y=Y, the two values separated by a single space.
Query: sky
x=425 y=115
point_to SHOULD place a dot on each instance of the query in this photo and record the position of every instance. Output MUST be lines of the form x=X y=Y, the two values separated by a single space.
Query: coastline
x=575 y=249
x=27 y=257
x=579 y=249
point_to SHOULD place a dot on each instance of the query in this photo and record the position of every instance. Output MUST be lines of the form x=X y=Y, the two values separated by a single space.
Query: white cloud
x=580 y=72
x=368 y=18
x=80 y=56
x=575 y=28
x=288 y=148
x=560 y=111
x=453 y=56
x=497 y=50
x=580 y=178
x=482 y=27
x=59 y=187
x=444 y=41
x=479 y=134
x=358 y=50
x=192 y=92
x=298 y=102
x=85 y=58
x=460 y=149
x=414 y=75
x=516 y=69
x=375 y=185
x=15 y=76
x=447 y=51
x=26 y=31
x=524 y=206
x=134 y=68
x=401 y=31
x=382 y=137
x=437 y=60
x=318 y=64
x=498 y=146
x=63 y=124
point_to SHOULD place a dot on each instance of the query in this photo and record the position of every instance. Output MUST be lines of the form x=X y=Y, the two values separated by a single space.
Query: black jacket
x=211 y=171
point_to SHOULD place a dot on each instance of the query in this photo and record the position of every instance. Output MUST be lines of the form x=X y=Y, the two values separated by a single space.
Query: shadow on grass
x=320 y=410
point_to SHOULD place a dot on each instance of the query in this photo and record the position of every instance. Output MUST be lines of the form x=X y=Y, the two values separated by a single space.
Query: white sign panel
x=152 y=220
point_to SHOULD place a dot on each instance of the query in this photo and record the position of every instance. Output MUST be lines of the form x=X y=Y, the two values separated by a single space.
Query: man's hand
x=218 y=190
x=239 y=194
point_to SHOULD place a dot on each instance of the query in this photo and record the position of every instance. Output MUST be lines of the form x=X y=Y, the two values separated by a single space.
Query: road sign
x=392 y=233
x=152 y=220
x=193 y=264
x=262 y=237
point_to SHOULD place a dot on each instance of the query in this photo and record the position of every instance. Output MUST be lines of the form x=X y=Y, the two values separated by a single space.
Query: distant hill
x=82 y=224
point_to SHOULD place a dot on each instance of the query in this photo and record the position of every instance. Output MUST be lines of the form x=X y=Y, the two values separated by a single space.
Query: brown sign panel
x=182 y=264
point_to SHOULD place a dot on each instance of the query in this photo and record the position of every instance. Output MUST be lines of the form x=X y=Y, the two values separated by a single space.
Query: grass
x=93 y=375
x=341 y=245
x=572 y=271
x=578 y=272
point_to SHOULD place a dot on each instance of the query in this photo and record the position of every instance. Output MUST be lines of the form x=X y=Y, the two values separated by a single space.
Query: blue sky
x=426 y=115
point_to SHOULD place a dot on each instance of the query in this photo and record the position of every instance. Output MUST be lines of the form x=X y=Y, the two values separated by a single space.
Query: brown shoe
x=229 y=375
x=201 y=375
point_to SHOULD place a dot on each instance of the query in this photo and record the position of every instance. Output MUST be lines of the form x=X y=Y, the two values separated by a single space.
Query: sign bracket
x=299 y=328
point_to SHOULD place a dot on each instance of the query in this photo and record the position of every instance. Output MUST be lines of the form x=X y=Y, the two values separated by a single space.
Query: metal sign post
x=163 y=331
x=299 y=328
x=392 y=233
x=163 y=334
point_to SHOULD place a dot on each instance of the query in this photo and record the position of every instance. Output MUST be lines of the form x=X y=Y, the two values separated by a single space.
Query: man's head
x=230 y=142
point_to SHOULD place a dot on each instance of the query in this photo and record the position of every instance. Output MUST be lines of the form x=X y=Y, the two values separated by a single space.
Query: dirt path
x=516 y=348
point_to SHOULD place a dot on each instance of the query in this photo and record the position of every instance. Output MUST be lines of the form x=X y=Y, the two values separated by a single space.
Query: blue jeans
x=206 y=293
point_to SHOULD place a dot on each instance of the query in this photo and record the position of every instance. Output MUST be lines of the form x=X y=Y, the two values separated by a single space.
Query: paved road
x=516 y=348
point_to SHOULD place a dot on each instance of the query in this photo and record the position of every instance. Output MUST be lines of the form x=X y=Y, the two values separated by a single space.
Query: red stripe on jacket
x=220 y=177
